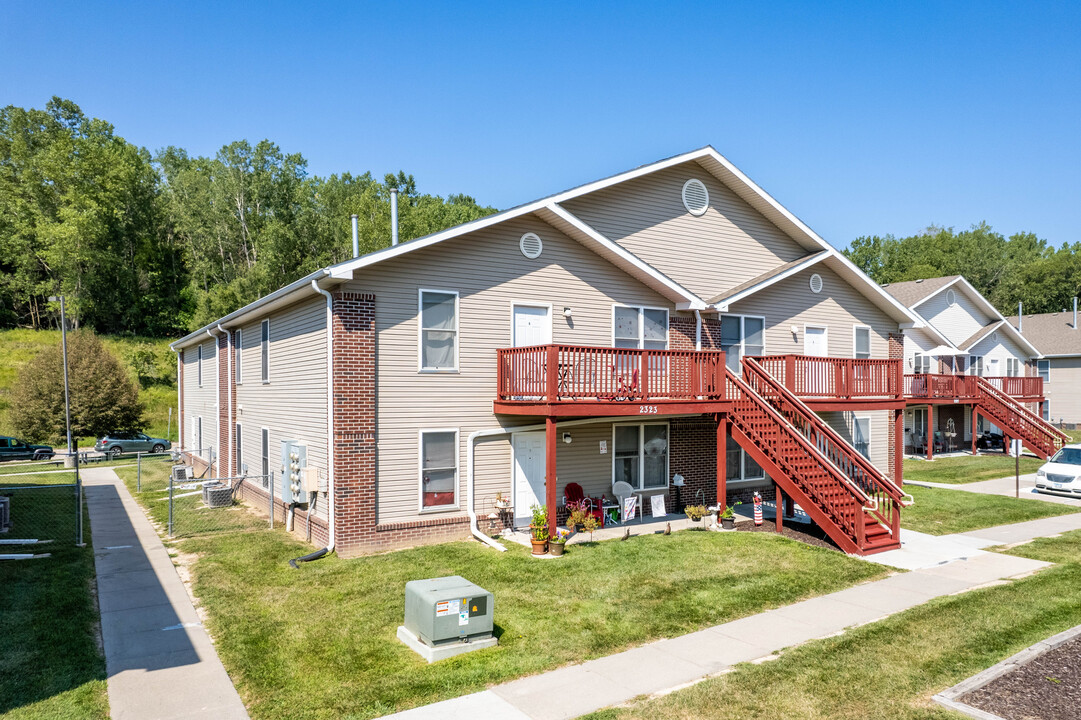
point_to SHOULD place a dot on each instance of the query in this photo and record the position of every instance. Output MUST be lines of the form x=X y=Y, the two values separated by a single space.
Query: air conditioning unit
x=447 y=616
x=182 y=473
x=5 y=514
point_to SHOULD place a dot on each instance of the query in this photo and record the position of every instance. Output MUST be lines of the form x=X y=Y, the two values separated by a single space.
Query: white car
x=1061 y=475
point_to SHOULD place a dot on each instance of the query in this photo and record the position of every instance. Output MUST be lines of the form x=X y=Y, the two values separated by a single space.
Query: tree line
x=157 y=244
x=1006 y=270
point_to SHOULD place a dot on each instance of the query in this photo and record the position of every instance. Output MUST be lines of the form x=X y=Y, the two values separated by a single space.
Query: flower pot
x=556 y=549
x=728 y=523
x=539 y=546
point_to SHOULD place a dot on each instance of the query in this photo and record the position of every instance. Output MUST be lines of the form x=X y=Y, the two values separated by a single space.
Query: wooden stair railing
x=1038 y=435
x=888 y=497
x=835 y=502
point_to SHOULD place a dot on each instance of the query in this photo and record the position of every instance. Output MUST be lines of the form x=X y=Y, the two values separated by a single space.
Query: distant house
x=1059 y=365
x=671 y=331
x=968 y=371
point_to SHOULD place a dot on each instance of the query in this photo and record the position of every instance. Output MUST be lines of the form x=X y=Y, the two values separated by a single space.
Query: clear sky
x=861 y=118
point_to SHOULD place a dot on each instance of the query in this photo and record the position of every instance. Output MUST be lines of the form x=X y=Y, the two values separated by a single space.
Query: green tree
x=103 y=396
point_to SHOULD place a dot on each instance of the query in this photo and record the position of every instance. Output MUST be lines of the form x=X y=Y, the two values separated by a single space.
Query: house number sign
x=647 y=409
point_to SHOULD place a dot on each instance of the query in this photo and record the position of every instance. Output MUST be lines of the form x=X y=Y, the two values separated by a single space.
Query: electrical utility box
x=294 y=465
x=447 y=616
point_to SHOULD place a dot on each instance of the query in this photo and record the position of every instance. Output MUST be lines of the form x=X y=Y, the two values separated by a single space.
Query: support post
x=722 y=463
x=898 y=447
x=930 y=431
x=550 y=471
x=975 y=424
x=779 y=514
x=789 y=506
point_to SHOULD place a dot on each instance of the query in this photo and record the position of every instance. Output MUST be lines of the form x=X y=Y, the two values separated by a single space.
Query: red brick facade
x=682 y=333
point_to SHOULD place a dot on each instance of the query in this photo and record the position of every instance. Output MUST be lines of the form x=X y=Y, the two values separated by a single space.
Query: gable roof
x=767 y=278
x=550 y=210
x=914 y=292
x=1053 y=334
x=980 y=334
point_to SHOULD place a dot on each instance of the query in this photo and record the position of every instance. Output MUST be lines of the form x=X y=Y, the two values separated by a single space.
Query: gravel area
x=1047 y=688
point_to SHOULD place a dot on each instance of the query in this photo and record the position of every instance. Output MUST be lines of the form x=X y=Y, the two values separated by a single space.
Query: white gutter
x=229 y=415
x=330 y=413
x=697 y=329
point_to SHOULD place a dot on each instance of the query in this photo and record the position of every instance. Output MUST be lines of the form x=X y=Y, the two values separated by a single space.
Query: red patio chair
x=575 y=494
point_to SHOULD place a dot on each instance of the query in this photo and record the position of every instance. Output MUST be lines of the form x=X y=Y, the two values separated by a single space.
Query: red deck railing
x=1018 y=387
x=836 y=378
x=556 y=373
x=941 y=387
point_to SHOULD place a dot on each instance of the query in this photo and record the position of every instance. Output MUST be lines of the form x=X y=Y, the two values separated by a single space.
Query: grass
x=148 y=357
x=889 y=670
x=50 y=664
x=942 y=512
x=967 y=469
x=320 y=643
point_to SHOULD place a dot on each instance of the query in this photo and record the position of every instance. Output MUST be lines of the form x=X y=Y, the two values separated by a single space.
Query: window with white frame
x=861 y=435
x=640 y=327
x=264 y=453
x=975 y=365
x=264 y=350
x=438 y=330
x=921 y=363
x=742 y=335
x=1047 y=410
x=238 y=347
x=438 y=469
x=640 y=455
x=740 y=465
x=237 y=450
x=861 y=342
x=199 y=365
x=1013 y=367
x=1043 y=370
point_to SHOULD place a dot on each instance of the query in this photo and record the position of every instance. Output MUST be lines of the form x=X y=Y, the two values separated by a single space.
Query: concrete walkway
x=160 y=661
x=939 y=566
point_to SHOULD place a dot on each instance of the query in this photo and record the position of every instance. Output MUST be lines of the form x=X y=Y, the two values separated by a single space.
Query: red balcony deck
x=935 y=389
x=570 y=380
x=828 y=383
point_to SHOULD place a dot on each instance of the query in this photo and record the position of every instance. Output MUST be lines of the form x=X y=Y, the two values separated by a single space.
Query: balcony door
x=531 y=325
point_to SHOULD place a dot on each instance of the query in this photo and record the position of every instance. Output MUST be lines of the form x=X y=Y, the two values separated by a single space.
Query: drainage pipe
x=697 y=329
x=230 y=376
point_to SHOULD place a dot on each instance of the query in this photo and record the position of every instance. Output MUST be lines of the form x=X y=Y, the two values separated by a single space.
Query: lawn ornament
x=757 y=509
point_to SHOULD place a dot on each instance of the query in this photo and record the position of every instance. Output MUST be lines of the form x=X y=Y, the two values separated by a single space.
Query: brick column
x=354 y=422
x=225 y=454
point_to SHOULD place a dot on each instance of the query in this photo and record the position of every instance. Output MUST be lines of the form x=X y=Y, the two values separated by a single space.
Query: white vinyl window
x=1043 y=369
x=742 y=335
x=1013 y=367
x=264 y=350
x=921 y=364
x=438 y=331
x=640 y=328
x=438 y=469
x=861 y=342
x=740 y=465
x=975 y=365
x=264 y=452
x=861 y=435
x=199 y=365
x=238 y=347
x=237 y=450
x=1047 y=410
x=640 y=455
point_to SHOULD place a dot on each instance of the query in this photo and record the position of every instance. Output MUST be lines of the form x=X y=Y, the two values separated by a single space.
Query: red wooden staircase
x=840 y=490
x=1017 y=421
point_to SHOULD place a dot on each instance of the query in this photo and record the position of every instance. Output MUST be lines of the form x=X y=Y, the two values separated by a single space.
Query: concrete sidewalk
x=160 y=661
x=939 y=566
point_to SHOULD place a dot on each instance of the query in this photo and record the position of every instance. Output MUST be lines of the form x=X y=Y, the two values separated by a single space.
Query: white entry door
x=814 y=341
x=993 y=369
x=528 y=474
x=532 y=325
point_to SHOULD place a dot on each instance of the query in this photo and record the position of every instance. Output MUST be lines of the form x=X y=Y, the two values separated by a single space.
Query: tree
x=103 y=396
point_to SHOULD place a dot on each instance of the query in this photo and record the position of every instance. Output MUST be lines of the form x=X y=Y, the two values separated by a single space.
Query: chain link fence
x=40 y=506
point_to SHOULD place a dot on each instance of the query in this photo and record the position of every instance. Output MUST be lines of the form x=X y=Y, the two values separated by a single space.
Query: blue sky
x=861 y=118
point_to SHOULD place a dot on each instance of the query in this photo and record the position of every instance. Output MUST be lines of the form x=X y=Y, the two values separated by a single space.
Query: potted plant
x=558 y=541
x=728 y=517
x=538 y=529
x=695 y=512
x=501 y=502
x=577 y=515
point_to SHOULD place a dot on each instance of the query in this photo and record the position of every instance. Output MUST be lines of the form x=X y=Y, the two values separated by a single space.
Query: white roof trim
x=747 y=292
x=988 y=308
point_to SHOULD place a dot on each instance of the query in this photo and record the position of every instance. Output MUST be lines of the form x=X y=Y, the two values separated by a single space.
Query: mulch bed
x=803 y=532
x=1048 y=688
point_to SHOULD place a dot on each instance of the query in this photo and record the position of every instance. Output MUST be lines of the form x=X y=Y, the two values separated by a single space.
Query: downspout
x=229 y=377
x=179 y=410
x=217 y=403
x=697 y=329
x=330 y=433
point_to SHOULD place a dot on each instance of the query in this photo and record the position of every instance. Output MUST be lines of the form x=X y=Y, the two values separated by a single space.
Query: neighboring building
x=1059 y=366
x=582 y=338
x=969 y=371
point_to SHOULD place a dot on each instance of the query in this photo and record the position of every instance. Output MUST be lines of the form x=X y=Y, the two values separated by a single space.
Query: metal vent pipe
x=394 y=216
x=356 y=237
x=1020 y=318
x=1075 y=313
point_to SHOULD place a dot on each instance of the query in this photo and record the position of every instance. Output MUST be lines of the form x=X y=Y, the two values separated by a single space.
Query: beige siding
x=489 y=272
x=293 y=405
x=1063 y=392
x=709 y=254
x=1000 y=347
x=843 y=423
x=839 y=307
x=201 y=400
x=958 y=322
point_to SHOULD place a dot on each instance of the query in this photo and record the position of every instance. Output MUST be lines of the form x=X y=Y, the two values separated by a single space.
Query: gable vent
x=816 y=283
x=695 y=197
x=951 y=297
x=531 y=246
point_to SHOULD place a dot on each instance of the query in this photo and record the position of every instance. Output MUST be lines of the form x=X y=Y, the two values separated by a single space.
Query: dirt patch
x=1047 y=688
x=803 y=532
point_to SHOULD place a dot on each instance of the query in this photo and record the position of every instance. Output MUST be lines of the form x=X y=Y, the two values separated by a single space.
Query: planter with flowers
x=558 y=542
x=538 y=530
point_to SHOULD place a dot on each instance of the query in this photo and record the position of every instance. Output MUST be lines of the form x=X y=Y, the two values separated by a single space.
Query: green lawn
x=941 y=512
x=890 y=669
x=50 y=666
x=957 y=470
x=320 y=642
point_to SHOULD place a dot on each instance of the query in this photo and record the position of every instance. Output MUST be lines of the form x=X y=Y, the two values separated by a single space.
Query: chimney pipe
x=1075 y=313
x=1020 y=318
x=393 y=216
x=356 y=238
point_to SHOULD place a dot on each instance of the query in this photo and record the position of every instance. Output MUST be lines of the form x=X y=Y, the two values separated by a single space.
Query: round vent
x=816 y=283
x=994 y=336
x=951 y=297
x=531 y=245
x=695 y=197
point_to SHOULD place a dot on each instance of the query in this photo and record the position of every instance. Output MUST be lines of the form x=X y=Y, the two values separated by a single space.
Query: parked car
x=113 y=444
x=1061 y=475
x=16 y=449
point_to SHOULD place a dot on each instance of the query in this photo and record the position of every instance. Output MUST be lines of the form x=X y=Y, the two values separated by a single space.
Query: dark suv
x=114 y=444
x=15 y=449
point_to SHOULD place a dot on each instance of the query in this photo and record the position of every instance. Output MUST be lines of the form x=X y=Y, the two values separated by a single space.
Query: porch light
x=567 y=438
x=795 y=331
x=566 y=312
